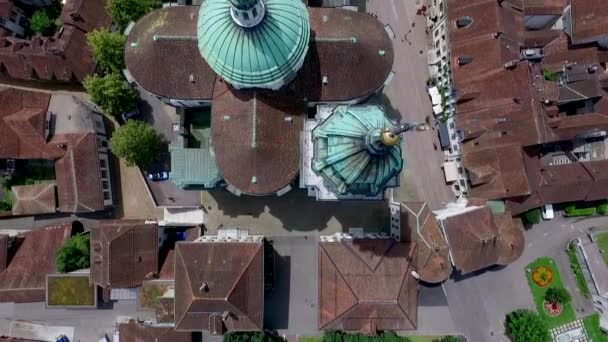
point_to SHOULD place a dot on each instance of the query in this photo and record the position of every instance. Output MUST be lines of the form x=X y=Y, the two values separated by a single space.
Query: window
x=245 y=15
x=254 y=12
x=103 y=163
x=106 y=195
x=13 y=16
x=104 y=174
x=104 y=143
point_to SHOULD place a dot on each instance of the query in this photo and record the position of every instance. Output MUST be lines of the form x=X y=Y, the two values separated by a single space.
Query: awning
x=438 y=109
x=444 y=135
x=450 y=169
x=435 y=96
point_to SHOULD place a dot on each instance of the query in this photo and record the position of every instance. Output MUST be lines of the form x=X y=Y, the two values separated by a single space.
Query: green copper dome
x=349 y=153
x=254 y=43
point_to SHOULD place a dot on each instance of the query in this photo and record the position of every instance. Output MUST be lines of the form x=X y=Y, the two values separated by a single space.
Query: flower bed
x=542 y=276
x=538 y=293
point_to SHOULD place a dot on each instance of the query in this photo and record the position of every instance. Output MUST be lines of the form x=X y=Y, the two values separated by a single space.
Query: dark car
x=158 y=176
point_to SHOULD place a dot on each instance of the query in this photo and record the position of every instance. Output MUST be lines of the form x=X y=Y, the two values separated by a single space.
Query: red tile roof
x=544 y=7
x=34 y=199
x=24 y=279
x=419 y=225
x=477 y=241
x=366 y=285
x=589 y=20
x=138 y=332
x=219 y=286
x=333 y=53
x=78 y=174
x=123 y=253
x=63 y=57
x=256 y=136
x=6 y=7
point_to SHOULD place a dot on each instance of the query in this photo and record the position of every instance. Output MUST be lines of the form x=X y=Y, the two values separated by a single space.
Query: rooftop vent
x=464 y=22
x=191 y=78
x=497 y=34
x=204 y=287
x=325 y=80
x=463 y=60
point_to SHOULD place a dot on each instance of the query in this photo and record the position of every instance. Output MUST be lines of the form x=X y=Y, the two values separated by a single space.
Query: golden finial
x=389 y=138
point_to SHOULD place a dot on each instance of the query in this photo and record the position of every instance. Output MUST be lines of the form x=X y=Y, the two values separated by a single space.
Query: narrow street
x=406 y=98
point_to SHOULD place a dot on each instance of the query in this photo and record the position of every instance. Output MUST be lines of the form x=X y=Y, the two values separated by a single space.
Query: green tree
x=557 y=295
x=125 y=11
x=526 y=326
x=74 y=255
x=111 y=93
x=108 y=49
x=42 y=23
x=136 y=142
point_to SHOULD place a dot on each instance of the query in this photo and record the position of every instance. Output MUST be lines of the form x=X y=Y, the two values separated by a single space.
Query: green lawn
x=592 y=327
x=70 y=290
x=311 y=339
x=538 y=293
x=602 y=244
x=578 y=273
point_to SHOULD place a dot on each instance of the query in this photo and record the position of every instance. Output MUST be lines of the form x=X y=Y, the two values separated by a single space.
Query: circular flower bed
x=542 y=276
x=552 y=309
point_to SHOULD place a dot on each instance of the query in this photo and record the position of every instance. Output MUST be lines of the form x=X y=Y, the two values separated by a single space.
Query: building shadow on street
x=298 y=212
x=383 y=100
x=431 y=295
x=276 y=303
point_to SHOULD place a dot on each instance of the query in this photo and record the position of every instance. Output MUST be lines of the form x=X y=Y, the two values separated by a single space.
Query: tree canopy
x=526 y=326
x=42 y=23
x=111 y=93
x=125 y=11
x=74 y=255
x=136 y=142
x=557 y=295
x=108 y=49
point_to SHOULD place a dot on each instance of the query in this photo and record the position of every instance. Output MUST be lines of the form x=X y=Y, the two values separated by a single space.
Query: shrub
x=526 y=326
x=338 y=336
x=42 y=23
x=448 y=339
x=555 y=295
x=136 y=142
x=74 y=255
x=572 y=211
x=602 y=209
x=532 y=216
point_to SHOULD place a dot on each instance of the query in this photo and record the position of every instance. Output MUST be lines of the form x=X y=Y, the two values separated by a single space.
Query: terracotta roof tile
x=419 y=225
x=256 y=136
x=589 y=20
x=366 y=285
x=34 y=199
x=234 y=278
x=137 y=332
x=24 y=279
x=124 y=253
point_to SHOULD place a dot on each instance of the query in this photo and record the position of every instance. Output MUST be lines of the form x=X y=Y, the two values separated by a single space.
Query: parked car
x=132 y=114
x=62 y=338
x=158 y=176
x=548 y=213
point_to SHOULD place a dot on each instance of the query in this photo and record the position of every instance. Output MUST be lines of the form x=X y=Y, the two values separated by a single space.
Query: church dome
x=254 y=43
x=349 y=153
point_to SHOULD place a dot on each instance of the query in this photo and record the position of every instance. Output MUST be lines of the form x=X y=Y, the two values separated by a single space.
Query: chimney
x=225 y=315
x=204 y=287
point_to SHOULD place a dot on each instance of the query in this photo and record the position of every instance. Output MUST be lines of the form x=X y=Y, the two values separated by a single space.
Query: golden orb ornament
x=389 y=138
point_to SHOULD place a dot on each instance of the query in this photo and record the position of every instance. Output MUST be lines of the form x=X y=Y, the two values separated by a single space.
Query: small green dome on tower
x=254 y=43
x=351 y=154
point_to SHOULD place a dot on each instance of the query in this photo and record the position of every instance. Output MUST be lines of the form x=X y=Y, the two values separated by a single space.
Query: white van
x=547 y=212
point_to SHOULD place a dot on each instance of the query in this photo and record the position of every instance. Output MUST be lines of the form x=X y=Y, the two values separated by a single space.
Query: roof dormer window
x=464 y=60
